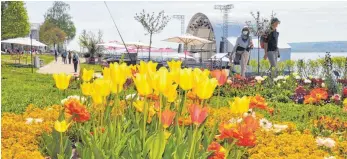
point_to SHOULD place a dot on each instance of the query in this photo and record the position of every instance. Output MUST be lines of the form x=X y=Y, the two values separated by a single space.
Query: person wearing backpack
x=240 y=53
x=75 y=61
x=271 y=46
x=69 y=56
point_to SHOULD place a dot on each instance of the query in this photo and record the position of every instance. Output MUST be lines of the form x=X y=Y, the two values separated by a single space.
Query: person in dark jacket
x=271 y=46
x=56 y=55
x=75 y=61
x=69 y=56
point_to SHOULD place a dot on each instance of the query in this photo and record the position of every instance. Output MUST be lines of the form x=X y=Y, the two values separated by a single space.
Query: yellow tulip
x=142 y=85
x=106 y=73
x=147 y=68
x=199 y=76
x=186 y=79
x=102 y=87
x=171 y=93
x=87 y=75
x=139 y=106
x=204 y=89
x=119 y=73
x=62 y=80
x=61 y=126
x=240 y=105
x=97 y=97
x=163 y=80
x=174 y=65
x=86 y=88
x=116 y=88
x=345 y=102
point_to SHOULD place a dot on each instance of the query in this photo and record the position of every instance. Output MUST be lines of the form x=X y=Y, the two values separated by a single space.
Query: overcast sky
x=300 y=21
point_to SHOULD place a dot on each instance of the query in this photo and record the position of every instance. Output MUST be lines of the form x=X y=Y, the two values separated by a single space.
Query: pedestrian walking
x=75 y=61
x=69 y=56
x=56 y=55
x=240 y=53
x=271 y=46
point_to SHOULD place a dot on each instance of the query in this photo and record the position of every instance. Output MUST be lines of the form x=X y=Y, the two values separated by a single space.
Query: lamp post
x=31 y=52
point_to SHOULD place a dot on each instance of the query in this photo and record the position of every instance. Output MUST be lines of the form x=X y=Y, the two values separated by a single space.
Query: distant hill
x=331 y=46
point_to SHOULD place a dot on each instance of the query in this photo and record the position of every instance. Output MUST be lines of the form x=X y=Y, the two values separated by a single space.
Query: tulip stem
x=218 y=97
x=193 y=143
x=61 y=144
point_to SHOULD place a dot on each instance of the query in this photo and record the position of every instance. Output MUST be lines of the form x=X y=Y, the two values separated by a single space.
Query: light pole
x=31 y=52
x=182 y=18
x=225 y=9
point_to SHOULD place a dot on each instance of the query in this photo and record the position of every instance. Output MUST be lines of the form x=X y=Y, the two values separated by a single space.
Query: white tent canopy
x=24 y=41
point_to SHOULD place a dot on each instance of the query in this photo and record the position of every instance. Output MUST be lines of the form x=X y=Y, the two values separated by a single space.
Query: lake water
x=314 y=55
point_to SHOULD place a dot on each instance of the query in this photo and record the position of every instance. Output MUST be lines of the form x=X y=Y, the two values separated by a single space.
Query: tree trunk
x=150 y=45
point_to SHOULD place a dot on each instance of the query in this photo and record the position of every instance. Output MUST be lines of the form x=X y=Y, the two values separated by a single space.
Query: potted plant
x=90 y=41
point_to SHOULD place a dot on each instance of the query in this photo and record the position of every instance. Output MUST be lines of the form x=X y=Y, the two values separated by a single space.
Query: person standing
x=64 y=57
x=69 y=56
x=56 y=55
x=240 y=53
x=271 y=46
x=75 y=61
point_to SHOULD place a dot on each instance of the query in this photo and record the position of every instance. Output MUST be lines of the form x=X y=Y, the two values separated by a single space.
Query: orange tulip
x=197 y=114
x=220 y=75
x=258 y=102
x=218 y=151
x=166 y=117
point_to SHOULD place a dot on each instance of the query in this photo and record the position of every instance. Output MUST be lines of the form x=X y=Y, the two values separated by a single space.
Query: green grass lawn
x=45 y=57
x=96 y=67
x=20 y=88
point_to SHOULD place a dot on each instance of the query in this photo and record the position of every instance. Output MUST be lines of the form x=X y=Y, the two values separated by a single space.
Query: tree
x=14 y=20
x=152 y=24
x=59 y=16
x=51 y=34
x=260 y=27
x=90 y=40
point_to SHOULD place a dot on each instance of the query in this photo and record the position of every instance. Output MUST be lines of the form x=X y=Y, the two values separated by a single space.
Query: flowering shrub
x=20 y=132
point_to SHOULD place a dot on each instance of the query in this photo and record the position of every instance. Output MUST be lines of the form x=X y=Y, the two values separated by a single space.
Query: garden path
x=59 y=67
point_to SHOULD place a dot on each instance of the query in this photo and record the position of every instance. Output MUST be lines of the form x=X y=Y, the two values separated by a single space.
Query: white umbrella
x=137 y=45
x=188 y=39
x=111 y=44
x=24 y=41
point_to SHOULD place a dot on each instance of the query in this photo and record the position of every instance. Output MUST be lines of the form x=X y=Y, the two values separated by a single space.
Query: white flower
x=323 y=85
x=248 y=113
x=38 y=120
x=328 y=142
x=29 y=120
x=82 y=99
x=297 y=77
x=259 y=79
x=330 y=157
x=131 y=96
x=235 y=120
x=265 y=124
x=98 y=75
x=323 y=79
x=307 y=81
x=278 y=128
x=320 y=141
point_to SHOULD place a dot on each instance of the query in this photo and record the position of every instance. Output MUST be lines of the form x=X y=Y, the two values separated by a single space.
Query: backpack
x=74 y=58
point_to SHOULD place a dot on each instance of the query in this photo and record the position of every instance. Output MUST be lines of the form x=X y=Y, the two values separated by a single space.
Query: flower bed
x=172 y=115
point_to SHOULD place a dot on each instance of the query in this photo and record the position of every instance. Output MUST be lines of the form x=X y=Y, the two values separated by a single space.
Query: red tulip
x=166 y=117
x=74 y=107
x=345 y=92
x=218 y=151
x=220 y=75
x=197 y=114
